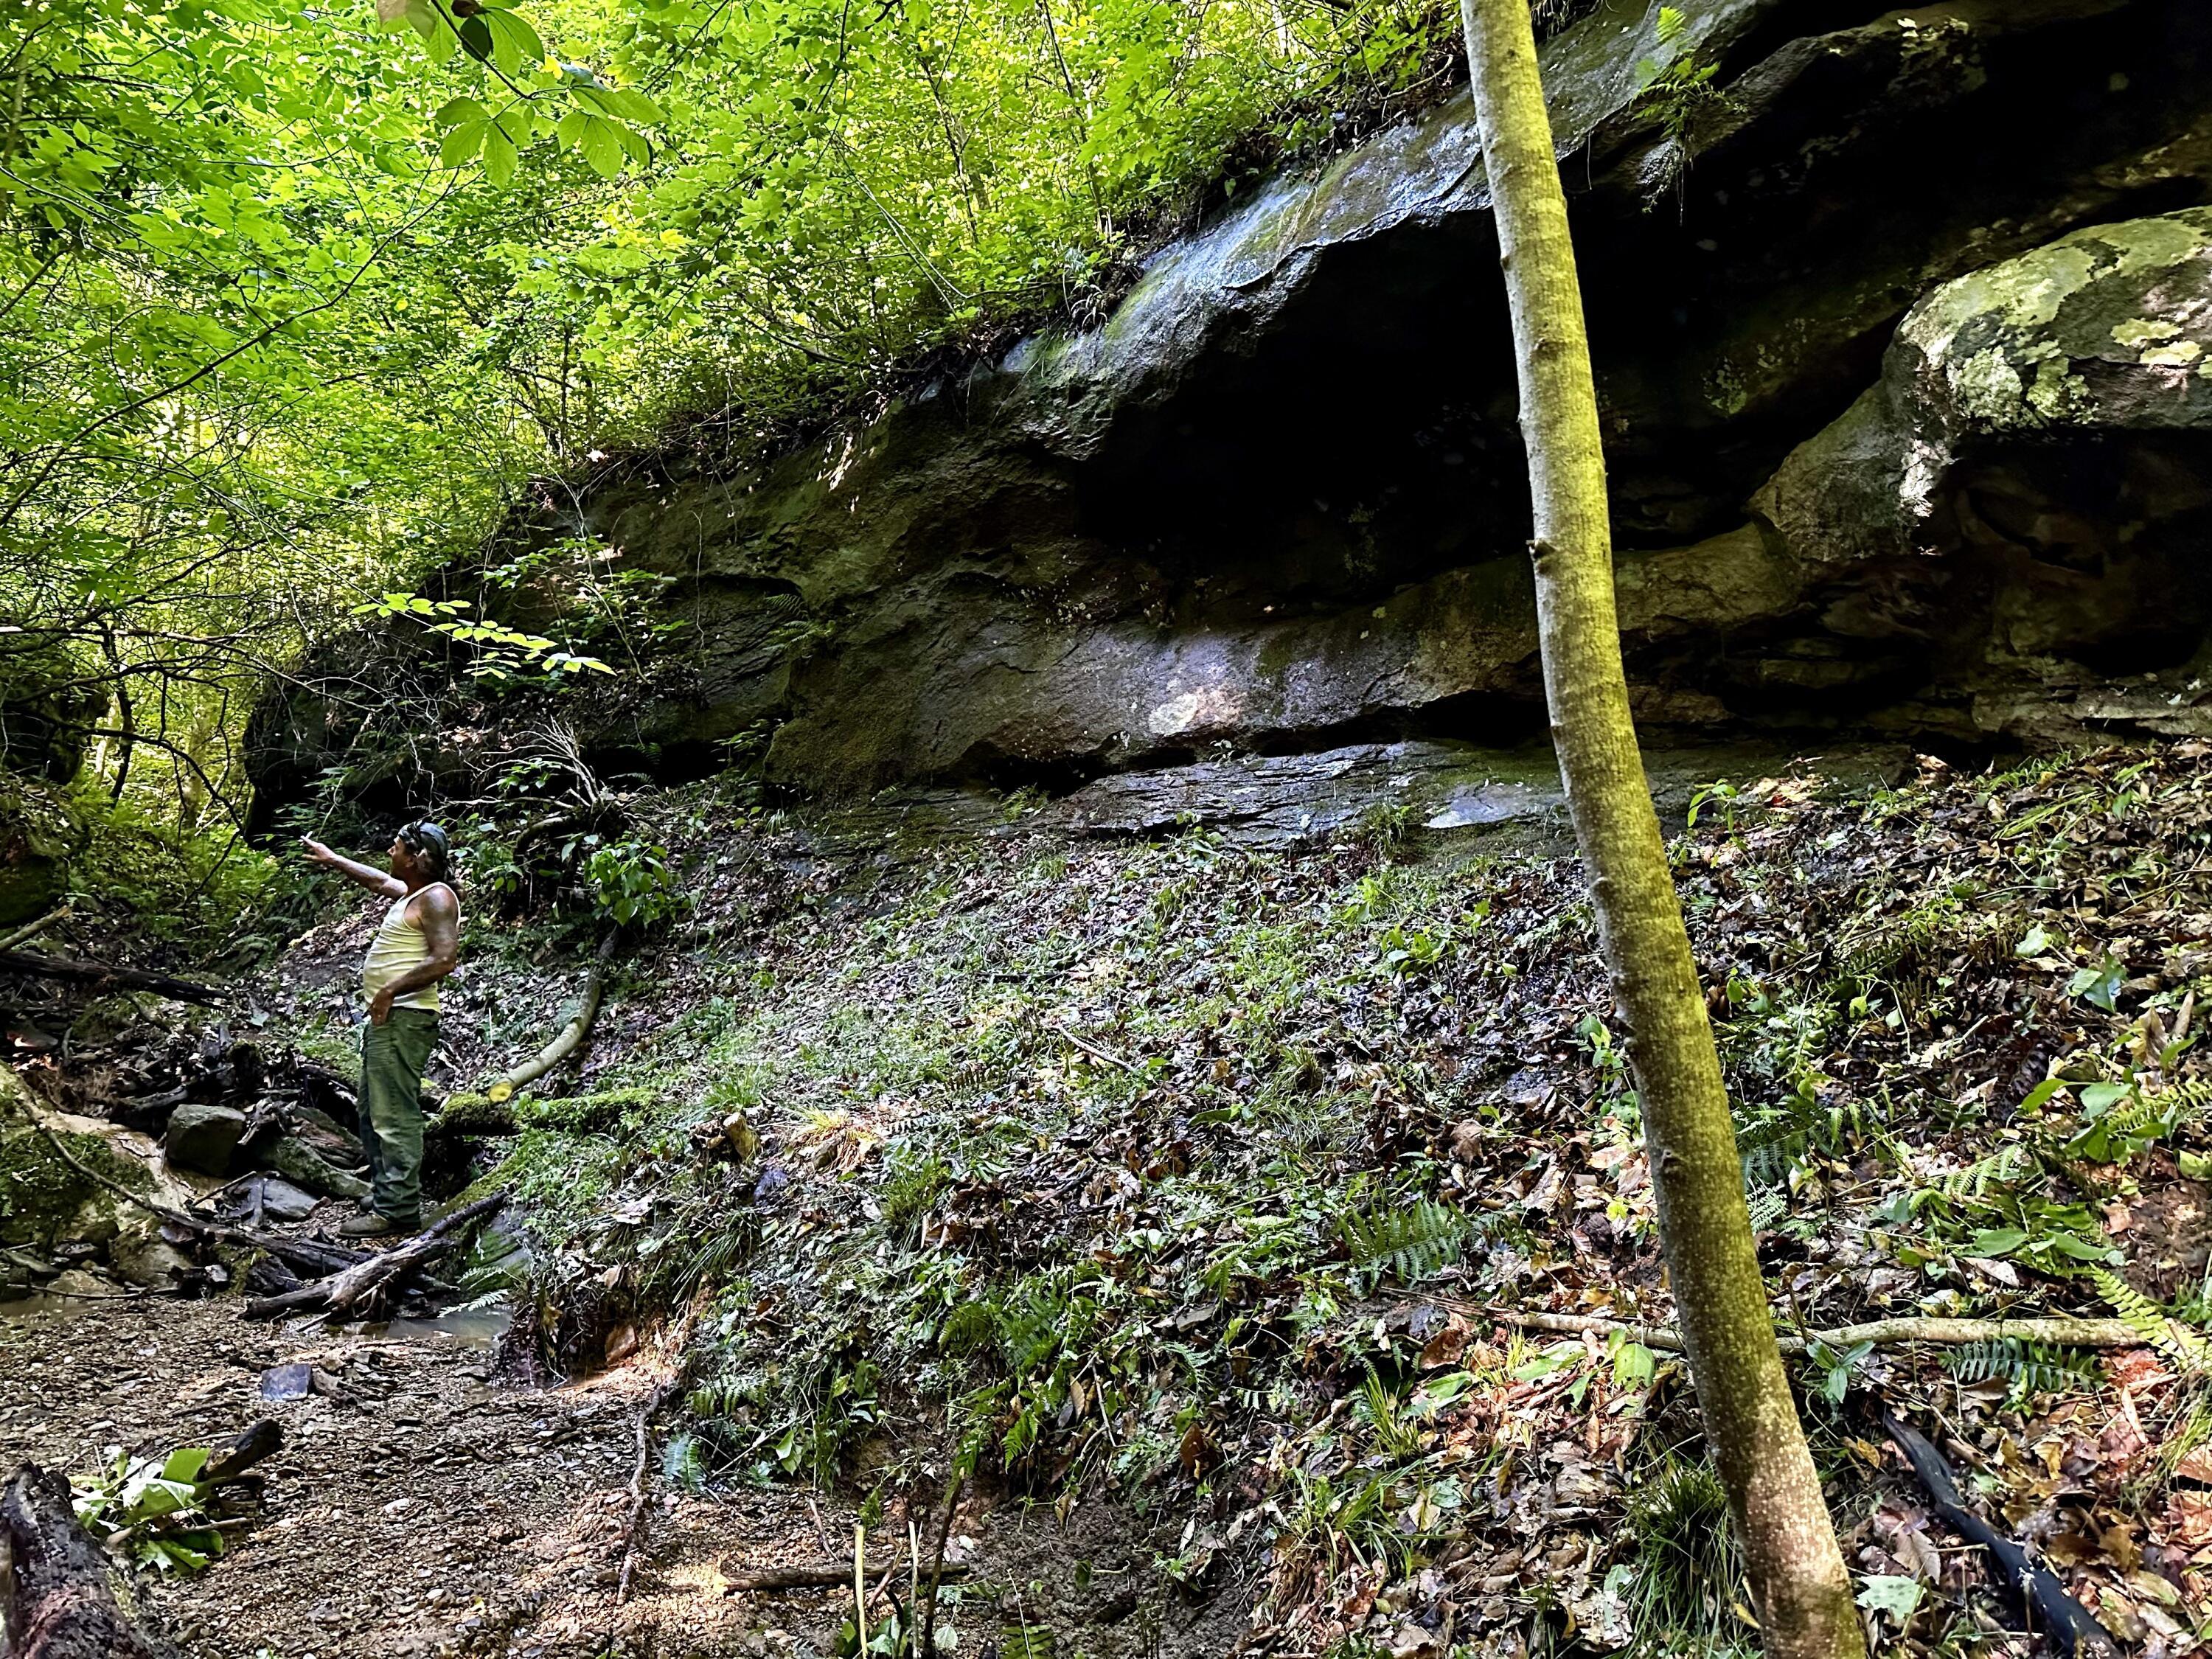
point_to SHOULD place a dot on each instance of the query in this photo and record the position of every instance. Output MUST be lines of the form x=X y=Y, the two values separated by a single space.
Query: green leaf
x=570 y=132
x=514 y=43
x=2081 y=1249
x=2041 y=1093
x=2035 y=943
x=454 y=111
x=439 y=43
x=458 y=147
x=1634 y=1365
x=2097 y=1097
x=498 y=156
x=2100 y=986
x=185 y=1463
x=475 y=37
x=602 y=148
x=1996 y=1242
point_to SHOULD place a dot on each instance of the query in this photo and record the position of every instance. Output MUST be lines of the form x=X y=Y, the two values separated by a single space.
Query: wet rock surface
x=1275 y=501
x=203 y=1137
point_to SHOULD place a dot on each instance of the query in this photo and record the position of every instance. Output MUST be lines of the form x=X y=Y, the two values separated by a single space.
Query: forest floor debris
x=1167 y=1184
x=1137 y=1160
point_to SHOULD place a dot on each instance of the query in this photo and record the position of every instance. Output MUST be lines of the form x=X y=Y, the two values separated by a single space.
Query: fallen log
x=473 y=1115
x=57 y=1596
x=148 y=1114
x=106 y=976
x=356 y=1290
x=572 y=1035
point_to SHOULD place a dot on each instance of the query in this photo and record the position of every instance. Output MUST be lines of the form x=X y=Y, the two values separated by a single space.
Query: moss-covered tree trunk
x=1798 y=1580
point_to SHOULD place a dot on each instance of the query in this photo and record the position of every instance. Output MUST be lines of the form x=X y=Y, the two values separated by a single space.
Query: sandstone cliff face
x=1902 y=361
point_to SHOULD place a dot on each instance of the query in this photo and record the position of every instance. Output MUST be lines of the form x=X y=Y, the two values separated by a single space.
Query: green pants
x=392 y=1056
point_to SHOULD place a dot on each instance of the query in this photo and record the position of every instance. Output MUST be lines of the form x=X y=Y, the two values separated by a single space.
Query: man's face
x=403 y=862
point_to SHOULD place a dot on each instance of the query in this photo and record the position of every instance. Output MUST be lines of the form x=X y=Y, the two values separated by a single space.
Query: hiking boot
x=377 y=1226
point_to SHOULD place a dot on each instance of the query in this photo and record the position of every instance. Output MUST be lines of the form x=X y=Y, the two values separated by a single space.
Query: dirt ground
x=424 y=1508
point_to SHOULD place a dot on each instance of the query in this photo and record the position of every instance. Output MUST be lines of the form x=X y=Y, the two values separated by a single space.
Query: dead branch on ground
x=814 y=1575
x=572 y=1035
x=358 y=1289
x=31 y=930
x=106 y=977
x=2074 y=1332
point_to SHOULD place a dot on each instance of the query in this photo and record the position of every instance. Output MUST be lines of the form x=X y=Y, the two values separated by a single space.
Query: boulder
x=301 y=1163
x=282 y=1201
x=44 y=1201
x=203 y=1138
x=155 y=1265
x=1276 y=499
x=40 y=833
x=2022 y=498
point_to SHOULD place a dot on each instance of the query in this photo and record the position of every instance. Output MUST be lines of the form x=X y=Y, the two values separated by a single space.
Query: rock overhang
x=1275 y=499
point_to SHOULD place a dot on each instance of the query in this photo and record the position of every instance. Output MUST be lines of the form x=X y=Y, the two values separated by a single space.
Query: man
x=416 y=946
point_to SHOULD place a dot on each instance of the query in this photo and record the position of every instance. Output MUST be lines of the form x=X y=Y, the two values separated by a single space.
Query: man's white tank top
x=400 y=946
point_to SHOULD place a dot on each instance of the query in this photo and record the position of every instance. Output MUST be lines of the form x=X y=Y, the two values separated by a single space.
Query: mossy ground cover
x=1184 y=1172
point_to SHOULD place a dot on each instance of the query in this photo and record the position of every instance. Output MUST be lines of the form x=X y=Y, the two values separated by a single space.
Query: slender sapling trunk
x=1798 y=1580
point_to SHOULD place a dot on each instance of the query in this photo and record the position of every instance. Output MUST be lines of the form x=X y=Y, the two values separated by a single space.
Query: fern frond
x=2006 y=1167
x=2148 y=1320
x=1767 y=1208
x=971 y=1328
x=2183 y=1100
x=1942 y=927
x=1771 y=1142
x=2136 y=1115
x=2035 y=1367
x=1408 y=1243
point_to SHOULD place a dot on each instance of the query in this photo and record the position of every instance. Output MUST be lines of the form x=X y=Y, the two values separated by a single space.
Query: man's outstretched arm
x=376 y=880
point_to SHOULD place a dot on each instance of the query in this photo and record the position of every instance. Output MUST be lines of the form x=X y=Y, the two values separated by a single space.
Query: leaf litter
x=1172 y=1184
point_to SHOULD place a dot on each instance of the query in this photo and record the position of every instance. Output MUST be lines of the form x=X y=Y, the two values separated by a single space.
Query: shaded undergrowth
x=1182 y=1172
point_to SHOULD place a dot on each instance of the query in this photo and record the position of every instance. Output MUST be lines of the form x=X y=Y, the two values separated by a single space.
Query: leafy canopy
x=296 y=302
